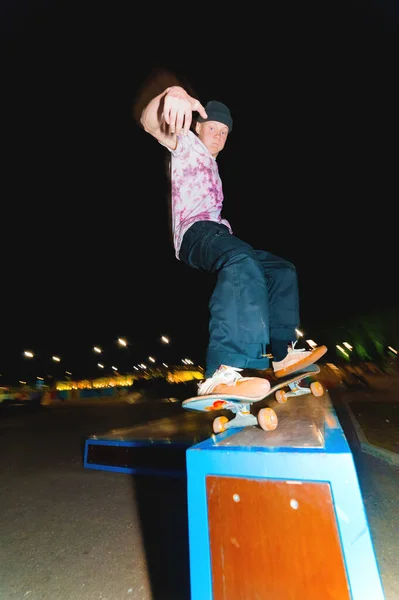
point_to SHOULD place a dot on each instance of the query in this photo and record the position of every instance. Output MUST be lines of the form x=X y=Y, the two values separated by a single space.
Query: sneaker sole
x=305 y=362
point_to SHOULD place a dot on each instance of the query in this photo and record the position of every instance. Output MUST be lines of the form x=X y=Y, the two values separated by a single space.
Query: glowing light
x=311 y=343
x=122 y=342
x=298 y=332
x=100 y=366
x=114 y=368
x=56 y=359
x=97 y=349
x=165 y=339
x=347 y=345
x=28 y=354
x=151 y=359
x=392 y=349
x=342 y=350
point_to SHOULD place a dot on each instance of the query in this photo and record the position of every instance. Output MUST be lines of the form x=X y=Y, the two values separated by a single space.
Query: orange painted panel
x=274 y=540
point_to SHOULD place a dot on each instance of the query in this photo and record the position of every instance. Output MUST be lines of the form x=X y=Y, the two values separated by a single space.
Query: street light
x=165 y=339
x=97 y=349
x=100 y=366
x=342 y=350
x=311 y=343
x=28 y=354
x=56 y=358
x=122 y=342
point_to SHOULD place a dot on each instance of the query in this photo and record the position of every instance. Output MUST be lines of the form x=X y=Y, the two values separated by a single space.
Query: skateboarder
x=255 y=299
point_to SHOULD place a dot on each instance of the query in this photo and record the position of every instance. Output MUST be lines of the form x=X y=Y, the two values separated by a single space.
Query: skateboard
x=241 y=405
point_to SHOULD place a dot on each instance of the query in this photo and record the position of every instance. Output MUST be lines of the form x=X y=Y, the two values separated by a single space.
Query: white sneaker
x=297 y=360
x=227 y=380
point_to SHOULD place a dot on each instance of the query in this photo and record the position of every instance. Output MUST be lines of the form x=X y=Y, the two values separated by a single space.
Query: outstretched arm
x=170 y=114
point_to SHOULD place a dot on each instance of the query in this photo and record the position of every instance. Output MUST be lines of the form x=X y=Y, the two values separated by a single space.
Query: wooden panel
x=274 y=540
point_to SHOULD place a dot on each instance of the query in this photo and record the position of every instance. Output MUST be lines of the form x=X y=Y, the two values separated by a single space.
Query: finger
x=198 y=107
x=172 y=120
x=187 y=121
x=179 y=121
x=166 y=113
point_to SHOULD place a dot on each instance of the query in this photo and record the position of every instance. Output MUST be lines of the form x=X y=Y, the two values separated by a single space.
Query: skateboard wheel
x=267 y=419
x=281 y=396
x=219 y=424
x=316 y=388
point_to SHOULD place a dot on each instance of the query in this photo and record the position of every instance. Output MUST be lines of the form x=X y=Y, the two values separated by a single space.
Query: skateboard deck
x=241 y=405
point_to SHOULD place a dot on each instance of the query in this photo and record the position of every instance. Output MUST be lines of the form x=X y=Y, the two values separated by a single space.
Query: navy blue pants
x=254 y=302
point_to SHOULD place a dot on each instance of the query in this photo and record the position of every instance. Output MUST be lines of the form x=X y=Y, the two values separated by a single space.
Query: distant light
x=347 y=345
x=136 y=368
x=41 y=378
x=101 y=366
x=143 y=366
x=342 y=350
x=165 y=339
x=151 y=359
x=311 y=343
x=114 y=368
x=299 y=332
x=392 y=349
x=56 y=359
x=165 y=365
x=68 y=372
x=24 y=382
x=97 y=349
x=122 y=342
x=28 y=354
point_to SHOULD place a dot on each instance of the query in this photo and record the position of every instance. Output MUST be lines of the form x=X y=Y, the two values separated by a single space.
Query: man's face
x=213 y=135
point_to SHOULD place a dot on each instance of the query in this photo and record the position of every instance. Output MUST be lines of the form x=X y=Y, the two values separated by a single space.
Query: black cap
x=217 y=111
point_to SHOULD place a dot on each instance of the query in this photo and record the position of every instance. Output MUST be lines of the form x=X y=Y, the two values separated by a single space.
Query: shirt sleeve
x=184 y=146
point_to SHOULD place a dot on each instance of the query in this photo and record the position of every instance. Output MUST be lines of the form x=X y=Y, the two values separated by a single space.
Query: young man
x=255 y=299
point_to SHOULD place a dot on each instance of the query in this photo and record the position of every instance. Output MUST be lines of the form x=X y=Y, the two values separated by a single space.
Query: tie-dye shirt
x=197 y=193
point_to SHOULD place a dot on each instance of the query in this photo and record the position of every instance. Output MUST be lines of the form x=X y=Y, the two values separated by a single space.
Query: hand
x=177 y=110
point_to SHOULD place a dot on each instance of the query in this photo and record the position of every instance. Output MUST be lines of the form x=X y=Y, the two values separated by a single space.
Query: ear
x=198 y=127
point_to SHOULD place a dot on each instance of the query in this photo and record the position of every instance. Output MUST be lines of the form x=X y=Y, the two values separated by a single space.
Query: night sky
x=309 y=172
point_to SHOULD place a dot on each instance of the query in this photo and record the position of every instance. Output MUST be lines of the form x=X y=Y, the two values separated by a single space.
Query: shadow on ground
x=162 y=506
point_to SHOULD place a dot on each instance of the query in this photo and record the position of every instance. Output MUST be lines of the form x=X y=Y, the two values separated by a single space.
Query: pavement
x=373 y=409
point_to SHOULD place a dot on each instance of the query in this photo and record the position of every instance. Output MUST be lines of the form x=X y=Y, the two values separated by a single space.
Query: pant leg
x=239 y=315
x=282 y=284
